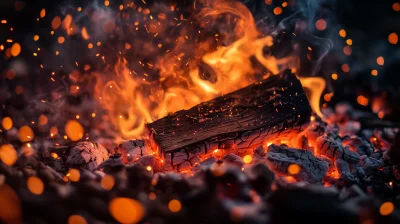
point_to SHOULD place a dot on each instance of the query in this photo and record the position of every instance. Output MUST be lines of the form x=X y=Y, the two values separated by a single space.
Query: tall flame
x=196 y=70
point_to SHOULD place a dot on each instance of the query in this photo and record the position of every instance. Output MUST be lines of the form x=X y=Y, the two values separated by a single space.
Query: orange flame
x=195 y=72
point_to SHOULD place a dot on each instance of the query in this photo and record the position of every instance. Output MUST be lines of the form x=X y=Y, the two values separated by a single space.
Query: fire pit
x=191 y=112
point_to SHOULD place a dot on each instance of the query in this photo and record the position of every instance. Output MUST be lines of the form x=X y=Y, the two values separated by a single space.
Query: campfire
x=155 y=112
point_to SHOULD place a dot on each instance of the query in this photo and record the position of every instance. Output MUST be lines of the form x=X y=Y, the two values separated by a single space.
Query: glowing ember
x=362 y=100
x=42 y=13
x=345 y=68
x=396 y=6
x=174 y=205
x=60 y=40
x=320 y=24
x=25 y=134
x=8 y=155
x=393 y=38
x=56 y=23
x=278 y=10
x=152 y=196
x=15 y=49
x=76 y=219
x=7 y=123
x=43 y=119
x=347 y=50
x=74 y=130
x=126 y=210
x=380 y=60
x=107 y=182
x=10 y=205
x=74 y=175
x=342 y=33
x=35 y=185
x=386 y=208
x=54 y=155
x=247 y=159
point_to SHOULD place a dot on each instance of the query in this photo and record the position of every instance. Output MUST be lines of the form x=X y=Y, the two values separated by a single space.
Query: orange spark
x=362 y=100
x=320 y=24
x=42 y=13
x=277 y=10
x=380 y=60
x=174 y=205
x=342 y=33
x=393 y=38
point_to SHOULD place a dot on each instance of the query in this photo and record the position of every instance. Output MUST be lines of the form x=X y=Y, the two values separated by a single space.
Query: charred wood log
x=276 y=108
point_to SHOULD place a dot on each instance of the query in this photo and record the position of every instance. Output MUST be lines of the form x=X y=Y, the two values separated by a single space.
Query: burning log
x=276 y=108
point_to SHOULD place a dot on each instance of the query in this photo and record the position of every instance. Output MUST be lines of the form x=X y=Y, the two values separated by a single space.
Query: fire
x=197 y=69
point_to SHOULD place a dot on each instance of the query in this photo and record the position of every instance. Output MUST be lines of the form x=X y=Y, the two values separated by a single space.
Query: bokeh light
x=107 y=182
x=35 y=185
x=294 y=169
x=8 y=155
x=386 y=208
x=74 y=130
x=76 y=219
x=126 y=210
x=7 y=123
x=174 y=205
x=25 y=134
x=247 y=159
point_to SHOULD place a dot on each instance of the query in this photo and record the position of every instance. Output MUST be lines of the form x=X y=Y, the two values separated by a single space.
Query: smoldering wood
x=331 y=148
x=313 y=169
x=276 y=108
x=153 y=161
x=133 y=150
x=233 y=159
x=356 y=143
x=203 y=165
x=86 y=155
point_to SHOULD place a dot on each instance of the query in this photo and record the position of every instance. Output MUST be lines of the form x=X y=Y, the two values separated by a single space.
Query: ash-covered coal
x=333 y=178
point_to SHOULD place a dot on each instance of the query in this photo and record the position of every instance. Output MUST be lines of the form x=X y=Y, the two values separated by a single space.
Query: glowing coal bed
x=189 y=112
